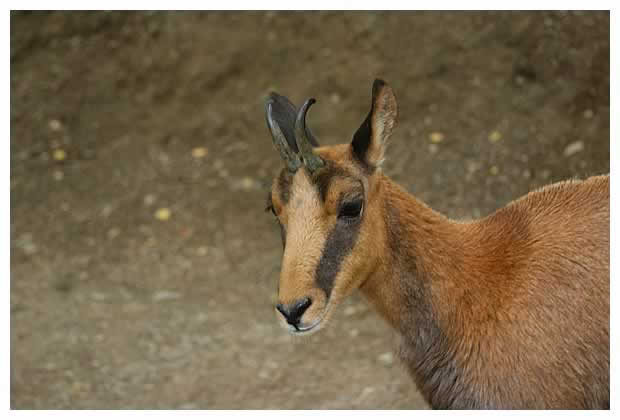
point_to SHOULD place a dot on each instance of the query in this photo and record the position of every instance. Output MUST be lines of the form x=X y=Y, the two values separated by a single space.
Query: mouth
x=303 y=330
x=299 y=330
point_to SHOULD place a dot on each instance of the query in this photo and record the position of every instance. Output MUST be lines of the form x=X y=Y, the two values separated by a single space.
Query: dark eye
x=351 y=209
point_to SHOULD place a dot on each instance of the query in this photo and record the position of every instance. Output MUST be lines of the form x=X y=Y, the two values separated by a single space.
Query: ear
x=370 y=139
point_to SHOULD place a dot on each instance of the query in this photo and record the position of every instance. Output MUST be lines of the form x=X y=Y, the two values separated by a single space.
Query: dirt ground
x=143 y=268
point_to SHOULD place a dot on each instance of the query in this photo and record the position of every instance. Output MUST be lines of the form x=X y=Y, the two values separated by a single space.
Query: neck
x=423 y=252
x=415 y=285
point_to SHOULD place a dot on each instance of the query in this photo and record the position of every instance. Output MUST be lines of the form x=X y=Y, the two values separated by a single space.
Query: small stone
x=527 y=174
x=495 y=136
x=349 y=310
x=113 y=233
x=54 y=125
x=200 y=152
x=163 y=214
x=574 y=147
x=354 y=332
x=58 y=175
x=433 y=148
x=107 y=210
x=247 y=183
x=494 y=170
x=428 y=120
x=201 y=251
x=271 y=36
x=98 y=296
x=163 y=295
x=386 y=358
x=50 y=366
x=436 y=137
x=149 y=200
x=588 y=113
x=520 y=80
x=26 y=244
x=334 y=98
x=59 y=155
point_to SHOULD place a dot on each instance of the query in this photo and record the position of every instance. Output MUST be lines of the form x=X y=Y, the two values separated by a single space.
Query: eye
x=351 y=209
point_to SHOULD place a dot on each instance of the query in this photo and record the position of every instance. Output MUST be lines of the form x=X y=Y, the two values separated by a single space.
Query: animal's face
x=327 y=208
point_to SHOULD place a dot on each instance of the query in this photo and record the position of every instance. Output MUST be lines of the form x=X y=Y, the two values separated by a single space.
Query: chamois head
x=326 y=204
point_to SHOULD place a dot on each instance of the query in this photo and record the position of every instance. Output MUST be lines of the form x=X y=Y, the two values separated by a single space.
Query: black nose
x=293 y=312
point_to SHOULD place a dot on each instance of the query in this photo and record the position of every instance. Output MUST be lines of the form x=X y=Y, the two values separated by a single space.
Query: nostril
x=303 y=305
x=293 y=312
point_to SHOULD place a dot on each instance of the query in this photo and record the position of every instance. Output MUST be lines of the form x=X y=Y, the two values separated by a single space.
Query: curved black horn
x=290 y=158
x=310 y=160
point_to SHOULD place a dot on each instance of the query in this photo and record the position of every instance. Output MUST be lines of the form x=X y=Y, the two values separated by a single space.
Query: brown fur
x=510 y=311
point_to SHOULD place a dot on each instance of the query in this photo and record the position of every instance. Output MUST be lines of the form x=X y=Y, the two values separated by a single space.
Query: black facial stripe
x=339 y=244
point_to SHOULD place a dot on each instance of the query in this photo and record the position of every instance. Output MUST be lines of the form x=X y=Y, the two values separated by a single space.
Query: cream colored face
x=323 y=218
x=330 y=216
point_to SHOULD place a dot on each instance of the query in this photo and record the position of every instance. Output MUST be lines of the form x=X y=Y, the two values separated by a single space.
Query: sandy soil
x=143 y=269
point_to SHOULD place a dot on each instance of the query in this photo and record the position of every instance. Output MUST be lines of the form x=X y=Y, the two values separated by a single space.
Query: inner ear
x=370 y=139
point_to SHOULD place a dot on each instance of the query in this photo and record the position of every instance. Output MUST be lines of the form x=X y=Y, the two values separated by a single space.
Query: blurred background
x=143 y=267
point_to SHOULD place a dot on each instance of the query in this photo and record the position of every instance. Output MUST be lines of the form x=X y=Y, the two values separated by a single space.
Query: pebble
x=433 y=148
x=163 y=295
x=26 y=244
x=386 y=358
x=573 y=148
x=149 y=200
x=350 y=310
x=335 y=98
x=107 y=210
x=163 y=214
x=247 y=184
x=436 y=137
x=54 y=125
x=58 y=175
x=495 y=136
x=354 y=332
x=588 y=113
x=494 y=170
x=200 y=152
x=59 y=155
x=201 y=251
x=98 y=296
x=113 y=233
